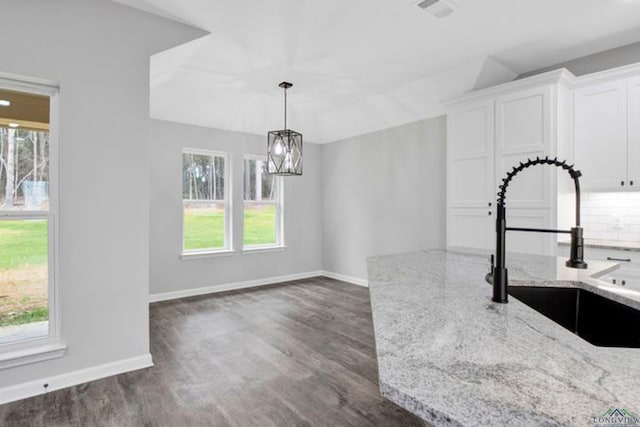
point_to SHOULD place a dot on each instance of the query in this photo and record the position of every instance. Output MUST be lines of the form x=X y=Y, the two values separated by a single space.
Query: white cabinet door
x=470 y=156
x=524 y=131
x=633 y=165
x=470 y=181
x=470 y=228
x=600 y=135
x=529 y=242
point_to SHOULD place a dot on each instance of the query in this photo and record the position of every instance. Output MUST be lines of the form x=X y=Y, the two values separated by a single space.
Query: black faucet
x=576 y=260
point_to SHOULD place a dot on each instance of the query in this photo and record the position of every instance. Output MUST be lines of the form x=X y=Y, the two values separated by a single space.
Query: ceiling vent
x=438 y=8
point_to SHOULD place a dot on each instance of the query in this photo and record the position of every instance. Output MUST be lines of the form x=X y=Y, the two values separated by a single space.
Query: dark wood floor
x=300 y=353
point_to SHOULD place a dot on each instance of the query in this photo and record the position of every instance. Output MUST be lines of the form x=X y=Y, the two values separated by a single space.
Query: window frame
x=38 y=349
x=227 y=248
x=279 y=203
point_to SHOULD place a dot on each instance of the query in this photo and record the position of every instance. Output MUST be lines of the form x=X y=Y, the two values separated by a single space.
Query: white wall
x=605 y=60
x=601 y=211
x=383 y=193
x=302 y=210
x=98 y=52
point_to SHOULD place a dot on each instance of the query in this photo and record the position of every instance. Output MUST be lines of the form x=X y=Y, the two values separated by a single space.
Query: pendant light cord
x=285 y=108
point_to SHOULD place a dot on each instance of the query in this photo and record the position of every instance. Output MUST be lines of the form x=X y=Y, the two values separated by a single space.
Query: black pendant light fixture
x=284 y=147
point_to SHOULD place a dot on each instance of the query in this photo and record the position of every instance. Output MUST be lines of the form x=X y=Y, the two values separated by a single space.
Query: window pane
x=24 y=282
x=258 y=184
x=203 y=225
x=24 y=151
x=202 y=177
x=24 y=169
x=259 y=224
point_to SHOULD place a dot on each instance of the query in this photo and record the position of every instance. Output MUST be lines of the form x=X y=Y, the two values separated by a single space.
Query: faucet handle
x=576 y=257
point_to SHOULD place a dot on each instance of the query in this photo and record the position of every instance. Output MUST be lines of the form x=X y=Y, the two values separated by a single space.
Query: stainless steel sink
x=594 y=318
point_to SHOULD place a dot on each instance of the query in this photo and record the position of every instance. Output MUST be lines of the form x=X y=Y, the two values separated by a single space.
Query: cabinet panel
x=633 y=161
x=484 y=141
x=469 y=191
x=530 y=243
x=471 y=228
x=470 y=156
x=522 y=120
x=523 y=131
x=529 y=188
x=472 y=130
x=600 y=136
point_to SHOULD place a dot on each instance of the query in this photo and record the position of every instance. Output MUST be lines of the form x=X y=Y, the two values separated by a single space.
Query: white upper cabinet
x=524 y=131
x=600 y=135
x=592 y=121
x=633 y=161
x=490 y=132
x=470 y=175
x=470 y=153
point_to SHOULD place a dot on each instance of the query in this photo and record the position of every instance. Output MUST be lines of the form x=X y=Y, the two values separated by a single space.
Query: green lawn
x=204 y=228
x=23 y=242
x=23 y=271
x=260 y=225
x=36 y=315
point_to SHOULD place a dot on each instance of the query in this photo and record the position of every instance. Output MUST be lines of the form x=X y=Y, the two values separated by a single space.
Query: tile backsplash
x=611 y=216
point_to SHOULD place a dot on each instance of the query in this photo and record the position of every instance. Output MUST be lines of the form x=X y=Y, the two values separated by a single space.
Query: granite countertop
x=619 y=245
x=450 y=355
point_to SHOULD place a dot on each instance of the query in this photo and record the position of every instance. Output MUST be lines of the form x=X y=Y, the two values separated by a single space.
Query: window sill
x=206 y=254
x=263 y=249
x=52 y=350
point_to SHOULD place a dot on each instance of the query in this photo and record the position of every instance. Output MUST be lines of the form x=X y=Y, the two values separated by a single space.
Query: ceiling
x=362 y=65
x=28 y=110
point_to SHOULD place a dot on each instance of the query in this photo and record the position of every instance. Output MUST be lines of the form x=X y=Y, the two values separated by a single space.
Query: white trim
x=560 y=76
x=204 y=201
x=619 y=73
x=166 y=296
x=224 y=287
x=18 y=214
x=343 y=278
x=46 y=88
x=55 y=308
x=206 y=254
x=28 y=84
x=260 y=157
x=258 y=249
x=32 y=355
x=278 y=202
x=81 y=376
x=204 y=152
x=262 y=202
x=226 y=202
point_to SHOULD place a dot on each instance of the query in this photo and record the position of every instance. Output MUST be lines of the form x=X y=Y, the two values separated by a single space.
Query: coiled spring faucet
x=499 y=271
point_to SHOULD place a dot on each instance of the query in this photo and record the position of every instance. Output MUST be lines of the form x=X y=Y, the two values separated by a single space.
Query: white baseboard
x=34 y=388
x=348 y=279
x=165 y=296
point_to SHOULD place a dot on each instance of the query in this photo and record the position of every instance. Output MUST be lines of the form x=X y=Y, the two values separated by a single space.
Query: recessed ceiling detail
x=362 y=65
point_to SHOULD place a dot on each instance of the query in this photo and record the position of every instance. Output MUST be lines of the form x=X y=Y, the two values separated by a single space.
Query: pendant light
x=284 y=147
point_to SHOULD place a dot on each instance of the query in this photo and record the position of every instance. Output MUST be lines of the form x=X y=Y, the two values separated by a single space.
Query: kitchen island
x=450 y=355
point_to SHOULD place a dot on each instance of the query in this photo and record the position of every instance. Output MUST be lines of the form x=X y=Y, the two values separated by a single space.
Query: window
x=205 y=202
x=262 y=206
x=28 y=207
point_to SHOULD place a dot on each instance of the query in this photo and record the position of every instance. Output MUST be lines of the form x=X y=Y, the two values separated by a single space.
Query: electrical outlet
x=616 y=222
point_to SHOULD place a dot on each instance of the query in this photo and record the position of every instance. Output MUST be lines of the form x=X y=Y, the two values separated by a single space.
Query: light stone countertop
x=450 y=355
